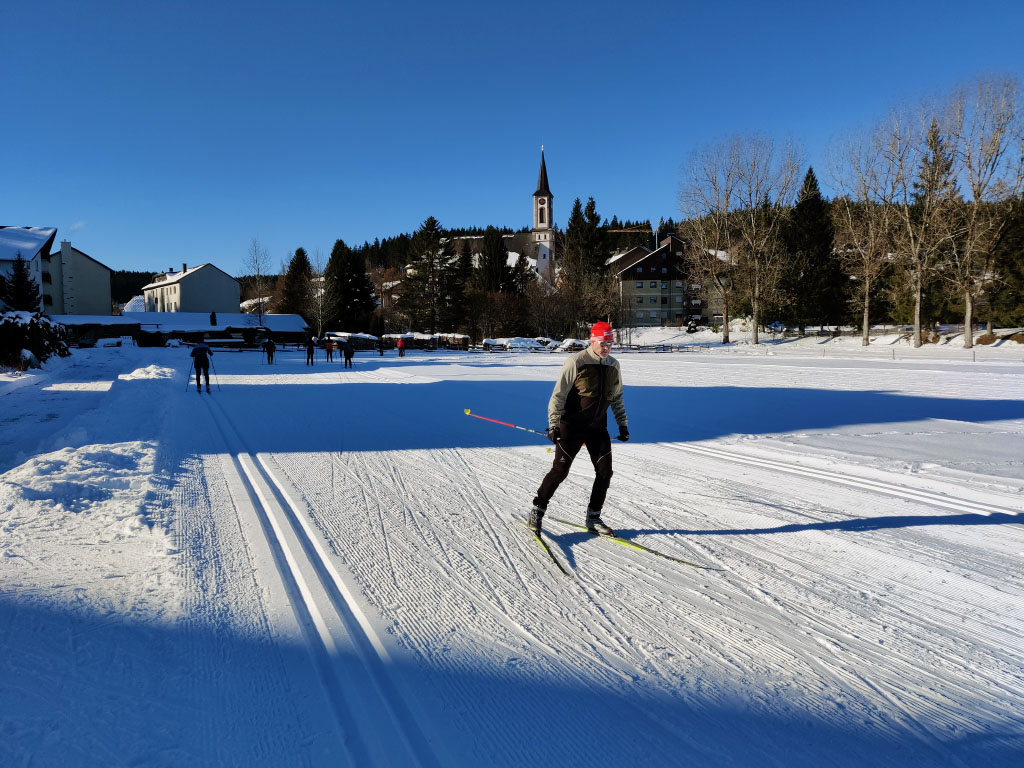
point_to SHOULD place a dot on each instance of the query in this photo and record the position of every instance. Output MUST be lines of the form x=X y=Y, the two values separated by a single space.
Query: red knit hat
x=601 y=332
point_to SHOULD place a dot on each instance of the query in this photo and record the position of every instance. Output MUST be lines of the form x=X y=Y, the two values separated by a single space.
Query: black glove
x=554 y=433
x=623 y=435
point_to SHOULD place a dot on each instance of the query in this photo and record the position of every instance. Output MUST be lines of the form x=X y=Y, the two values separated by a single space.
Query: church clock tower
x=542 y=236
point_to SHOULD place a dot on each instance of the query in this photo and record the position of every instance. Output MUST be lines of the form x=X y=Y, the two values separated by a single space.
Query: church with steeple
x=538 y=244
x=542 y=236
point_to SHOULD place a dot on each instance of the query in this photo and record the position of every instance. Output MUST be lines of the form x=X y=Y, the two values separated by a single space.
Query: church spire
x=542 y=177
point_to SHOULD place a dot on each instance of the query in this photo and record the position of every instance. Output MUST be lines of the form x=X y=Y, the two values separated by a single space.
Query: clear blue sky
x=153 y=134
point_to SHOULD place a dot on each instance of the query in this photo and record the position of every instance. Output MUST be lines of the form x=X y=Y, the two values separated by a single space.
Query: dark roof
x=542 y=179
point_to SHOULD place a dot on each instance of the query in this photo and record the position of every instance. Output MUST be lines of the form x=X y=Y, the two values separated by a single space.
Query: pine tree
x=349 y=287
x=813 y=284
x=298 y=286
x=20 y=293
x=493 y=274
x=424 y=290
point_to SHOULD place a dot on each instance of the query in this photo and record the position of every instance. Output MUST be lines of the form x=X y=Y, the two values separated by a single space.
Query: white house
x=200 y=289
x=32 y=244
x=70 y=282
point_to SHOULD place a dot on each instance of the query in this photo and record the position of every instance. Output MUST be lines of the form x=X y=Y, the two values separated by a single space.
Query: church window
x=540 y=213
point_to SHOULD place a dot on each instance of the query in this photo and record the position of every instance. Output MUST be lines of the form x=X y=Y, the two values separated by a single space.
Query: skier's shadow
x=567 y=542
x=858 y=525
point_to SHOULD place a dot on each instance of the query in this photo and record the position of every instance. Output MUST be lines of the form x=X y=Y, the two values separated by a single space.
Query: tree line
x=459 y=280
x=926 y=225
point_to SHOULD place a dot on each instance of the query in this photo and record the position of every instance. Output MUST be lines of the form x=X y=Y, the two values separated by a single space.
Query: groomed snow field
x=313 y=566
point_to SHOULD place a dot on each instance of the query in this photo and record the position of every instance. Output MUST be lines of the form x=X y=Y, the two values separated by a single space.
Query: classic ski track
x=336 y=617
x=860 y=654
x=891 y=489
x=585 y=667
x=477 y=598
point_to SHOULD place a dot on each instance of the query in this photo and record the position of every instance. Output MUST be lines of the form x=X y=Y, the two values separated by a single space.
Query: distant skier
x=201 y=355
x=329 y=349
x=310 y=350
x=350 y=350
x=380 y=346
x=401 y=346
x=269 y=348
x=590 y=383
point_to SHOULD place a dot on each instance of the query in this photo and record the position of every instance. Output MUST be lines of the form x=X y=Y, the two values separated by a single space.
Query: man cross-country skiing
x=590 y=383
x=201 y=355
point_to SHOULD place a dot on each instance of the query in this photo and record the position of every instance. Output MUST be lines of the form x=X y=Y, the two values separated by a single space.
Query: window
x=639 y=283
x=654 y=299
x=540 y=213
x=664 y=270
x=679 y=299
x=639 y=314
x=654 y=314
x=664 y=285
x=679 y=283
x=639 y=299
x=664 y=299
x=654 y=283
x=48 y=300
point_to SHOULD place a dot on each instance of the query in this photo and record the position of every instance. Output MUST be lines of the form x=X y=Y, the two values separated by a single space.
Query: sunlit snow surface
x=318 y=566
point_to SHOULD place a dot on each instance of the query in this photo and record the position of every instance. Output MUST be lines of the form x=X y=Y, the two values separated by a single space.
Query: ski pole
x=189 y=377
x=506 y=424
x=216 y=379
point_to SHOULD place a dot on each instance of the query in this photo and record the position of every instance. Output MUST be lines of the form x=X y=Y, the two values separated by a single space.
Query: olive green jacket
x=585 y=389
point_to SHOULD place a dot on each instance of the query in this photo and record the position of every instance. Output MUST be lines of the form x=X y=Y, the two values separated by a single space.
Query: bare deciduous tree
x=257 y=264
x=864 y=172
x=733 y=199
x=766 y=183
x=988 y=134
x=918 y=149
x=706 y=201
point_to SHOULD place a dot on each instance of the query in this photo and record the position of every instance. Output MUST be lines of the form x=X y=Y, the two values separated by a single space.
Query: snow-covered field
x=314 y=566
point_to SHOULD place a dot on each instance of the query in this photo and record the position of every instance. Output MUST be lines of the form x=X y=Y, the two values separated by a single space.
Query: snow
x=26 y=241
x=318 y=566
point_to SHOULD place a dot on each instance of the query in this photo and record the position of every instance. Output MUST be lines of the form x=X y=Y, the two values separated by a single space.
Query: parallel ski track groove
x=416 y=749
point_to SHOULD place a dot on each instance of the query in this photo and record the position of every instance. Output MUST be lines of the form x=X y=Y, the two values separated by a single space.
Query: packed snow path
x=314 y=566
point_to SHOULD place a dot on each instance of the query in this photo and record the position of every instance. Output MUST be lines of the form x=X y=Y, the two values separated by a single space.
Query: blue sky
x=153 y=134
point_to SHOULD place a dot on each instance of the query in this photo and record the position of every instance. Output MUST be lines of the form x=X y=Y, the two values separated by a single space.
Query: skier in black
x=350 y=350
x=268 y=348
x=589 y=384
x=310 y=350
x=201 y=355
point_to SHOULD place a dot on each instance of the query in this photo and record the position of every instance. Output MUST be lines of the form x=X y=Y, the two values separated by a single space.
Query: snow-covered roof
x=74 y=320
x=192 y=322
x=27 y=241
x=169 y=278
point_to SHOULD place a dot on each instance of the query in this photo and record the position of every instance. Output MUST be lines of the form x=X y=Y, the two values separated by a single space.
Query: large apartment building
x=70 y=282
x=654 y=286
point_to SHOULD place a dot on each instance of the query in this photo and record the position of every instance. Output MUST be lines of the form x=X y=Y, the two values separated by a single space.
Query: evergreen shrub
x=34 y=332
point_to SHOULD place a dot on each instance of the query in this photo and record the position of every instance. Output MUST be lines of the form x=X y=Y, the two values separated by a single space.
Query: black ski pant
x=202 y=367
x=599 y=446
x=309 y=357
x=348 y=361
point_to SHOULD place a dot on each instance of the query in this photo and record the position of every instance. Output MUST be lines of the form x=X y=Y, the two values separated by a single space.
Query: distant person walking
x=268 y=349
x=201 y=355
x=329 y=349
x=590 y=383
x=401 y=346
x=310 y=350
x=350 y=350
x=380 y=346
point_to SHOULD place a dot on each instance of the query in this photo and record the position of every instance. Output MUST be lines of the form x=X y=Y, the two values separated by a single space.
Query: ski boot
x=535 y=519
x=596 y=525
